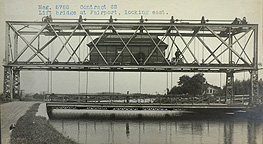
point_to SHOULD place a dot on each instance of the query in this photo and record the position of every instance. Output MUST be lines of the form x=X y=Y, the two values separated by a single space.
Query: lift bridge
x=133 y=45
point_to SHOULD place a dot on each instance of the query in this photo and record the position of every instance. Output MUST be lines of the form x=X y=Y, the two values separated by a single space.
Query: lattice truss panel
x=141 y=42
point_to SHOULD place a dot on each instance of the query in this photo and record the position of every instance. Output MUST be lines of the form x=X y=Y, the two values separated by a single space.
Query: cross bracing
x=154 y=45
x=168 y=45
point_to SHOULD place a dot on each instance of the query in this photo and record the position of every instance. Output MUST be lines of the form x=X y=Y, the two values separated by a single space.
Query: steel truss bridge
x=119 y=45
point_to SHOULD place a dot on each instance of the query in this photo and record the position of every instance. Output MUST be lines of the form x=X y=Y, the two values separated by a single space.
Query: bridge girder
x=29 y=45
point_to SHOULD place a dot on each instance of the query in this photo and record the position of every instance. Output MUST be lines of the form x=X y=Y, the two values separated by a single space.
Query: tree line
x=197 y=85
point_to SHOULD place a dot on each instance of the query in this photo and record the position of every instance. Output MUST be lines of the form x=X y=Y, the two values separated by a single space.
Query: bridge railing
x=144 y=99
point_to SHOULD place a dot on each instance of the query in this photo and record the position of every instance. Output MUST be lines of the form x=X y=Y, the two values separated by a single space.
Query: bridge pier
x=229 y=88
x=254 y=98
x=11 y=83
x=8 y=93
x=16 y=84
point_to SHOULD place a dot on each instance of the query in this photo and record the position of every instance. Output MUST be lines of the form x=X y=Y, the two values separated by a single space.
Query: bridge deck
x=145 y=106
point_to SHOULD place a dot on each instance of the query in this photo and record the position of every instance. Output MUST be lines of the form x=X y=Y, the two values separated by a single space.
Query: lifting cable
x=48 y=71
x=79 y=71
x=140 y=85
x=171 y=80
x=167 y=77
x=194 y=49
x=203 y=63
x=113 y=82
x=87 y=80
x=220 y=71
x=109 y=82
x=244 y=77
x=109 y=87
x=203 y=49
x=87 y=76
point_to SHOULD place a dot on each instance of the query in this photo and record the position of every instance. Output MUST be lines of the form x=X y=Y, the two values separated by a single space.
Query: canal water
x=156 y=127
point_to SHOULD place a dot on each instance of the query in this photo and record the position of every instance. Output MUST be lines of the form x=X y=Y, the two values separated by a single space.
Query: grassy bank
x=31 y=129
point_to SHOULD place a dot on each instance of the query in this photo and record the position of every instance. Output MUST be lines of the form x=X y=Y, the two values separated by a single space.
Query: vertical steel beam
x=230 y=41
x=260 y=99
x=8 y=83
x=254 y=95
x=7 y=43
x=256 y=47
x=16 y=84
x=229 y=88
x=15 y=45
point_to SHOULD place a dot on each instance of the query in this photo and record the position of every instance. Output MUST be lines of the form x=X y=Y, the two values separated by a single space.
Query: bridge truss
x=219 y=46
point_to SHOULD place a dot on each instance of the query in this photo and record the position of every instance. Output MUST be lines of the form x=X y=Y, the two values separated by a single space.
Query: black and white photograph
x=131 y=71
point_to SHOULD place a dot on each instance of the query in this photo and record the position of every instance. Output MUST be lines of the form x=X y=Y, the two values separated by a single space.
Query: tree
x=190 y=85
x=241 y=87
x=197 y=84
x=183 y=80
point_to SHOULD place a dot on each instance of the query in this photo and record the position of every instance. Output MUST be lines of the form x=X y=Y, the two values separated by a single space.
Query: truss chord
x=95 y=45
x=10 y=46
x=15 y=45
x=229 y=46
x=87 y=80
x=132 y=37
x=103 y=34
x=243 y=49
x=11 y=52
x=156 y=45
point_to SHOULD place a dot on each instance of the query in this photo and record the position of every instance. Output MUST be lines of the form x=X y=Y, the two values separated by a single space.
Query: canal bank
x=32 y=128
x=10 y=113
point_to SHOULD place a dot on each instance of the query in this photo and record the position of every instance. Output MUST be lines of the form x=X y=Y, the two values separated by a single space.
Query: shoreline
x=10 y=113
x=32 y=128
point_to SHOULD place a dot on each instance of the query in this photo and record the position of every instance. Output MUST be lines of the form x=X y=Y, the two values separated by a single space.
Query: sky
x=76 y=82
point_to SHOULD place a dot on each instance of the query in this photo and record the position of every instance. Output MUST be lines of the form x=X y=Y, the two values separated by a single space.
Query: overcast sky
x=65 y=82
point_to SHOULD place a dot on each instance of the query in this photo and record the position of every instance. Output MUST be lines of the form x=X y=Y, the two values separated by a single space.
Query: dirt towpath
x=10 y=113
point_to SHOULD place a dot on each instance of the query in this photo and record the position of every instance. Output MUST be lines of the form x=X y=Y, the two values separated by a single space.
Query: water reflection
x=228 y=132
x=177 y=128
x=127 y=130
